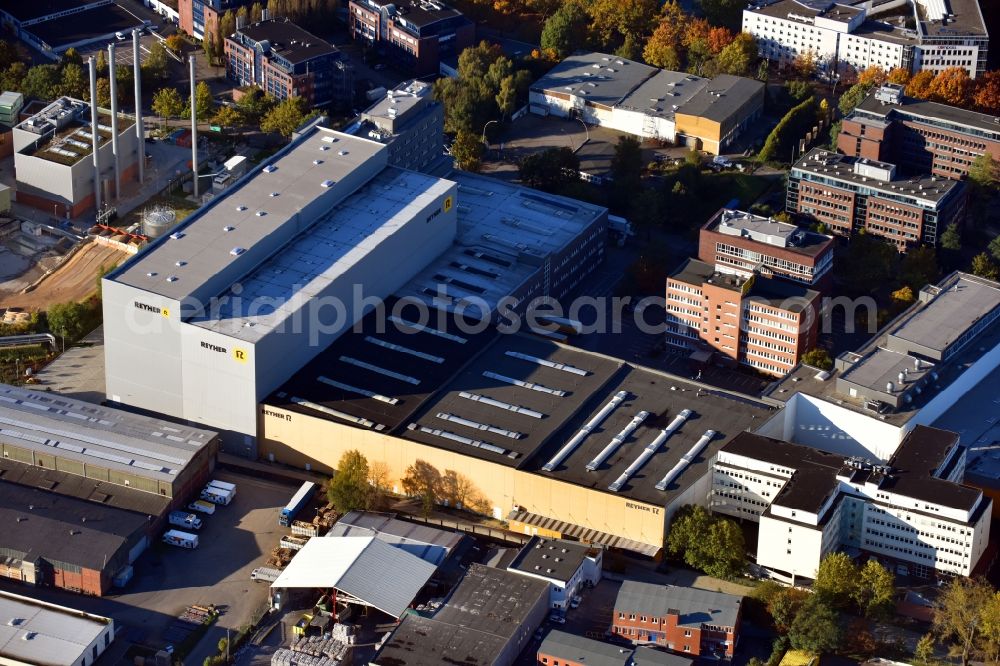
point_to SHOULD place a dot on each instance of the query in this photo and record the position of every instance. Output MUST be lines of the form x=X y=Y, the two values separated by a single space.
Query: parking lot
x=123 y=48
x=234 y=540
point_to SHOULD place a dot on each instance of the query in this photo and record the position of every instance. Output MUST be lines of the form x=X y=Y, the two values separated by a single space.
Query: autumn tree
x=924 y=650
x=70 y=320
x=871 y=76
x=662 y=49
x=874 y=590
x=565 y=30
x=738 y=57
x=203 y=101
x=614 y=20
x=348 y=490
x=711 y=543
x=952 y=86
x=379 y=480
x=951 y=239
x=73 y=81
x=719 y=38
x=167 y=103
x=41 y=82
x=984 y=267
x=818 y=358
x=467 y=150
x=958 y=616
x=854 y=96
x=835 y=580
x=285 y=117
x=986 y=94
x=423 y=480
x=898 y=75
x=920 y=84
x=228 y=116
x=902 y=297
x=154 y=68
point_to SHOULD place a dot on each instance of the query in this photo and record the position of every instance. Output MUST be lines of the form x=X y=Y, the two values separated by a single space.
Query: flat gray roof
x=768 y=231
x=921 y=110
x=883 y=366
x=397 y=103
x=428 y=543
x=696 y=607
x=663 y=93
x=314 y=260
x=923 y=189
x=601 y=78
x=959 y=305
x=721 y=97
x=504 y=233
x=60 y=634
x=965 y=17
x=204 y=242
x=111 y=438
x=580 y=650
x=557 y=559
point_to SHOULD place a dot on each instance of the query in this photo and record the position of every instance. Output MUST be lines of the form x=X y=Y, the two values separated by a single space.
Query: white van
x=201 y=506
x=217 y=495
x=180 y=539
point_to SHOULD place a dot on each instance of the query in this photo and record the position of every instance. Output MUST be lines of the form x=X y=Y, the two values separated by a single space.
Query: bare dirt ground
x=75 y=280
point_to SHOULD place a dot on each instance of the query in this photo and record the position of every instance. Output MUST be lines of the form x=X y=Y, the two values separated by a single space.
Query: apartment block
x=683 y=619
x=743 y=243
x=925 y=137
x=201 y=17
x=913 y=34
x=761 y=322
x=848 y=194
x=416 y=35
x=285 y=60
x=912 y=512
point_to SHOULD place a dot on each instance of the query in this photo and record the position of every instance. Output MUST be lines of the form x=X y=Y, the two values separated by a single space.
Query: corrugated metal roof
x=364 y=567
x=60 y=634
x=428 y=543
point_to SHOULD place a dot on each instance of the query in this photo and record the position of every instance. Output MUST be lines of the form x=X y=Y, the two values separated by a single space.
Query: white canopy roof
x=365 y=568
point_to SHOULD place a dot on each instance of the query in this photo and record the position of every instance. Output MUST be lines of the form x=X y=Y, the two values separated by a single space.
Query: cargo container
x=265 y=574
x=180 y=539
x=184 y=519
x=299 y=500
x=201 y=506
x=293 y=542
x=231 y=487
x=216 y=495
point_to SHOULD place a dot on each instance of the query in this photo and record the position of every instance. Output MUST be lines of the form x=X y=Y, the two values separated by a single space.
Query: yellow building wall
x=297 y=439
x=709 y=131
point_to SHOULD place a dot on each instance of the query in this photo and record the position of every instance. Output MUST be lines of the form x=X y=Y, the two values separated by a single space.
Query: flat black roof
x=80 y=487
x=483 y=614
x=918 y=109
x=56 y=527
x=28 y=11
x=91 y=24
x=389 y=401
x=288 y=40
x=773 y=291
x=557 y=559
x=921 y=452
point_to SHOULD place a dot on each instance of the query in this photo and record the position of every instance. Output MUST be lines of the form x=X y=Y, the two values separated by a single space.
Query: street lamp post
x=585 y=129
x=488 y=123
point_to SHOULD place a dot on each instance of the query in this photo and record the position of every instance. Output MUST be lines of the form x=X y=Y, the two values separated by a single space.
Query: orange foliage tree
x=898 y=75
x=872 y=76
x=952 y=86
x=920 y=85
x=719 y=38
x=986 y=97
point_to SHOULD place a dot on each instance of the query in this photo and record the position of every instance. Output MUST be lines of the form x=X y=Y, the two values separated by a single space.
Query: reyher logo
x=447 y=204
x=277 y=415
x=641 y=507
x=149 y=308
x=240 y=355
x=216 y=348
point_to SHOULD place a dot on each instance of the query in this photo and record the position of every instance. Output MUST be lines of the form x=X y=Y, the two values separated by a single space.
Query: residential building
x=914 y=35
x=487 y=620
x=416 y=35
x=849 y=194
x=920 y=136
x=647 y=102
x=764 y=323
x=911 y=511
x=284 y=60
x=411 y=122
x=565 y=565
x=743 y=243
x=53 y=157
x=448 y=241
x=201 y=17
x=37 y=632
x=935 y=364
x=683 y=619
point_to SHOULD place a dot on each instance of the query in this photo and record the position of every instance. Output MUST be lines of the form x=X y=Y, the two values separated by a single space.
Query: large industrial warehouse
x=84 y=487
x=212 y=318
x=554 y=440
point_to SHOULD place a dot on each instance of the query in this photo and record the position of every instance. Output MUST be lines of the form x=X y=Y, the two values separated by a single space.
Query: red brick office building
x=848 y=194
x=919 y=136
x=683 y=619
x=415 y=35
x=744 y=243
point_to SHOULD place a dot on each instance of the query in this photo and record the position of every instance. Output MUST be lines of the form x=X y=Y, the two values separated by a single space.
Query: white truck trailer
x=180 y=539
x=184 y=519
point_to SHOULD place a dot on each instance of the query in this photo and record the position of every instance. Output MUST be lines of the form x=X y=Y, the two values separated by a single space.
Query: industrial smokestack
x=113 y=84
x=95 y=137
x=140 y=129
x=194 y=132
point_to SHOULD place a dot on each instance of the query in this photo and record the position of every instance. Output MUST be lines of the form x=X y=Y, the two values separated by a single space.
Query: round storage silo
x=158 y=220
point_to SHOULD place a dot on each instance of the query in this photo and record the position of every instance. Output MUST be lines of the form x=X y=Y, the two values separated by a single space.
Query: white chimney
x=113 y=86
x=140 y=128
x=95 y=138
x=194 y=131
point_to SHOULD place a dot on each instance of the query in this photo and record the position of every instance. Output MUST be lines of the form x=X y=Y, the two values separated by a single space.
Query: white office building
x=912 y=34
x=912 y=512
x=567 y=566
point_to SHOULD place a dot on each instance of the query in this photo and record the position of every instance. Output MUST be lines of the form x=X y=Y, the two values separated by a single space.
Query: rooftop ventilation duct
x=578 y=438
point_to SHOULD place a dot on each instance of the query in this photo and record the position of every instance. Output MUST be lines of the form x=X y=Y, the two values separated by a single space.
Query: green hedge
x=786 y=135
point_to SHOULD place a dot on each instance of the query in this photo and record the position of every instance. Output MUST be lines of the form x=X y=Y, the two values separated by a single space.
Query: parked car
x=574 y=601
x=555 y=618
x=120 y=36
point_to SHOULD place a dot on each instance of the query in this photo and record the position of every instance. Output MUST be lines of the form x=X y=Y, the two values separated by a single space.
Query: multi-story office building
x=201 y=17
x=848 y=194
x=564 y=565
x=682 y=619
x=911 y=511
x=285 y=60
x=416 y=35
x=744 y=243
x=920 y=136
x=918 y=35
x=411 y=123
x=761 y=322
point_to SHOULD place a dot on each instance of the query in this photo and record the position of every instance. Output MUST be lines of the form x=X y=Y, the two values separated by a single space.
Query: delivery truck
x=180 y=539
x=216 y=495
x=222 y=485
x=184 y=519
x=201 y=506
